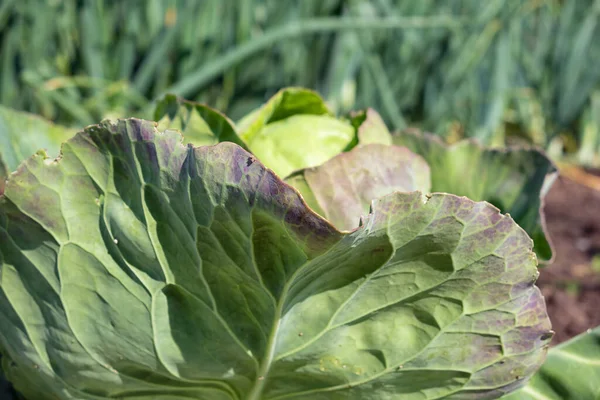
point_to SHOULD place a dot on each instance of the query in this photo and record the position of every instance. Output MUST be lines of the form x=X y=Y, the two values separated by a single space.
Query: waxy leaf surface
x=295 y=130
x=138 y=268
x=343 y=188
x=515 y=179
x=571 y=371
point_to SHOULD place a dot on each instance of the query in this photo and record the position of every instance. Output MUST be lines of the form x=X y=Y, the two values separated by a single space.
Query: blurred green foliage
x=501 y=71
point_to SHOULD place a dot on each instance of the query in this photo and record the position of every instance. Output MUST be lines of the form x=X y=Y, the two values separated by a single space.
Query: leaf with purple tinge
x=343 y=188
x=135 y=267
x=571 y=371
x=515 y=180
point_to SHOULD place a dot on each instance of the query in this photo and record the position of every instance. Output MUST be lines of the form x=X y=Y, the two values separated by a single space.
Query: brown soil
x=571 y=284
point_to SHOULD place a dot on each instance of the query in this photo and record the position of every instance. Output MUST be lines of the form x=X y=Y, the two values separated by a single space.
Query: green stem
x=214 y=68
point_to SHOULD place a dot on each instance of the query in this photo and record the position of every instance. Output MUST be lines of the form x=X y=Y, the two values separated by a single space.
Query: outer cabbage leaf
x=571 y=372
x=343 y=188
x=295 y=130
x=201 y=125
x=137 y=268
x=22 y=134
x=515 y=180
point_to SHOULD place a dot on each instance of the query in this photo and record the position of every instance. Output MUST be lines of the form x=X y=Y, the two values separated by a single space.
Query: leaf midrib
x=387 y=370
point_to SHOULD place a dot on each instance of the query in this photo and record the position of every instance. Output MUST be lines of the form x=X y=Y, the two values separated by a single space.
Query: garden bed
x=571 y=285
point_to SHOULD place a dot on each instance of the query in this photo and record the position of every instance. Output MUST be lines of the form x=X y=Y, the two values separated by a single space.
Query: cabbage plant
x=134 y=266
x=295 y=131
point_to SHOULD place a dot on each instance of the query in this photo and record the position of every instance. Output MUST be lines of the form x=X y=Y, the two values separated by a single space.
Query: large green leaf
x=201 y=125
x=137 y=268
x=23 y=134
x=343 y=188
x=515 y=179
x=295 y=130
x=571 y=372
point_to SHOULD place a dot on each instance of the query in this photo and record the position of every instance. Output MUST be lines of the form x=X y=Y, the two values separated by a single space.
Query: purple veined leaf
x=343 y=188
x=514 y=179
x=139 y=268
x=571 y=371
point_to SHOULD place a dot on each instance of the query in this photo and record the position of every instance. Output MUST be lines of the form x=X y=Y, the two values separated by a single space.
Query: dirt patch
x=571 y=284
